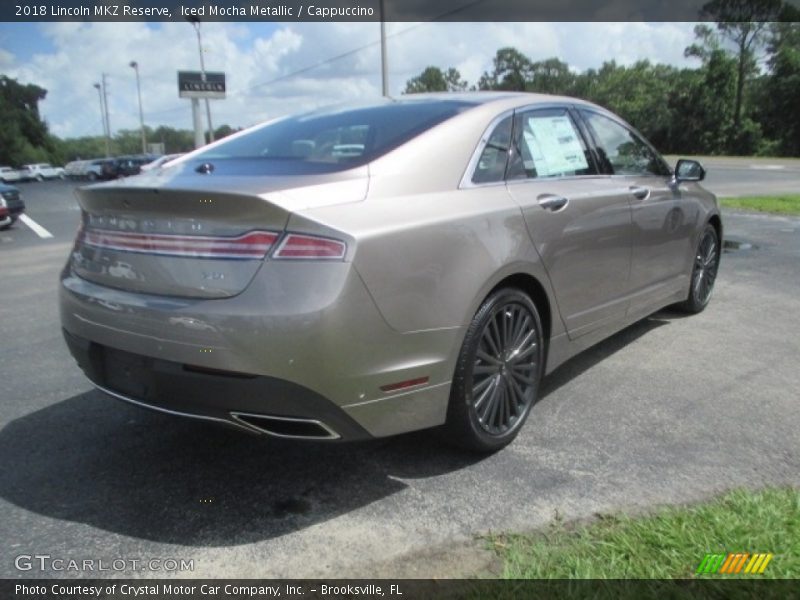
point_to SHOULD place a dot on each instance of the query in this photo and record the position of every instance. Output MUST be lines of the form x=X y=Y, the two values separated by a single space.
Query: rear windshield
x=335 y=139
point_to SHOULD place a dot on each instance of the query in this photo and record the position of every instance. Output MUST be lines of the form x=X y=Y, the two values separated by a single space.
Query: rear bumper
x=257 y=404
x=12 y=211
x=307 y=345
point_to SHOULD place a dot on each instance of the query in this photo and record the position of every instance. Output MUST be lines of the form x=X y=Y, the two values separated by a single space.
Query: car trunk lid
x=187 y=236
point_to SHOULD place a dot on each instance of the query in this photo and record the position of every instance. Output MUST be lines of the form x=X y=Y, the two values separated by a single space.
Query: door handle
x=640 y=193
x=550 y=202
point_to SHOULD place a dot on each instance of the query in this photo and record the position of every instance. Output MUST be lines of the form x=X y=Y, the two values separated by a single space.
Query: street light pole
x=384 y=69
x=196 y=24
x=108 y=118
x=103 y=117
x=135 y=67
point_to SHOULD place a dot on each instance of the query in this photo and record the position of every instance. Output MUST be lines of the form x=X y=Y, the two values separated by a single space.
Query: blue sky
x=68 y=58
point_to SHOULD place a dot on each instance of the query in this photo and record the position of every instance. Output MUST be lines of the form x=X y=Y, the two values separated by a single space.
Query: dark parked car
x=124 y=166
x=11 y=205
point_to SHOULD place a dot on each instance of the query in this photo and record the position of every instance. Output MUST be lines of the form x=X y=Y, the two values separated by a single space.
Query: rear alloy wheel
x=704 y=271
x=498 y=372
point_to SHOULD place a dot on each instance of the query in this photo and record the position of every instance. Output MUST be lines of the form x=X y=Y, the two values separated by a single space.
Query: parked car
x=75 y=169
x=160 y=162
x=463 y=246
x=11 y=205
x=9 y=175
x=93 y=169
x=42 y=171
x=123 y=166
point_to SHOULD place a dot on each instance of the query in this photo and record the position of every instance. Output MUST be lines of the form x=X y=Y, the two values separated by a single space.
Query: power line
x=364 y=47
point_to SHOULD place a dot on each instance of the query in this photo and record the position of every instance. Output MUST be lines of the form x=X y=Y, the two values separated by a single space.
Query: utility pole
x=103 y=117
x=135 y=67
x=108 y=119
x=384 y=69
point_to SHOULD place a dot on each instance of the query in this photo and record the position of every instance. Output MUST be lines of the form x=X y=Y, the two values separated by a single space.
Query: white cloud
x=252 y=60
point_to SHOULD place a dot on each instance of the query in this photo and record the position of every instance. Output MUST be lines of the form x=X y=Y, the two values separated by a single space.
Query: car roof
x=499 y=99
x=506 y=99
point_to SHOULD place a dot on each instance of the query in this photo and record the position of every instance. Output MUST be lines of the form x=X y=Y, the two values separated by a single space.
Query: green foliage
x=433 y=79
x=512 y=72
x=668 y=544
x=23 y=137
x=725 y=106
x=782 y=205
x=776 y=106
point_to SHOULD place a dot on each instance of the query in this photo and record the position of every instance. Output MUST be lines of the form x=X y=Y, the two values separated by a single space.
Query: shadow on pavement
x=599 y=352
x=94 y=460
x=98 y=461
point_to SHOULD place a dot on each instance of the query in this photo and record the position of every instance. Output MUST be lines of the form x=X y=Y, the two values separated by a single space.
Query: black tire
x=704 y=271
x=39 y=178
x=8 y=225
x=92 y=176
x=504 y=351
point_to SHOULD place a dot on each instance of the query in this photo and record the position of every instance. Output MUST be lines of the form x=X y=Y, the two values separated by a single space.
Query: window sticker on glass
x=554 y=146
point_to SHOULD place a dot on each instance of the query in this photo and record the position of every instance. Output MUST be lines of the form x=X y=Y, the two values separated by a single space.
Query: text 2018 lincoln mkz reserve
x=363 y=271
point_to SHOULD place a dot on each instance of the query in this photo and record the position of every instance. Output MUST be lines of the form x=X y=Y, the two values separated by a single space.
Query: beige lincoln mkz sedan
x=368 y=270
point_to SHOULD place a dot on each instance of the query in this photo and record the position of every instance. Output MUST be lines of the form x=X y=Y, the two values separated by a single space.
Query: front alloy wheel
x=704 y=271
x=498 y=372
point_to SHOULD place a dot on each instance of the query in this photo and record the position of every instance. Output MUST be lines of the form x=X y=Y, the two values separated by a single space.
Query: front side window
x=621 y=151
x=547 y=144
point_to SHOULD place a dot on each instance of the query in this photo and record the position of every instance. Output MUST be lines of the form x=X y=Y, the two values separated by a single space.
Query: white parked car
x=9 y=175
x=42 y=171
x=75 y=169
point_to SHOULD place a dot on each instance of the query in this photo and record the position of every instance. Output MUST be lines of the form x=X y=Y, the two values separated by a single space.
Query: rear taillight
x=310 y=247
x=251 y=245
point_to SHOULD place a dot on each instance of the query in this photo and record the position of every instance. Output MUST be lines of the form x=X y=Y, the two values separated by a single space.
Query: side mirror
x=689 y=170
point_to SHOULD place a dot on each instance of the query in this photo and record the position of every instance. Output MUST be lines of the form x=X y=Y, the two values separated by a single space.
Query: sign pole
x=199 y=135
x=196 y=85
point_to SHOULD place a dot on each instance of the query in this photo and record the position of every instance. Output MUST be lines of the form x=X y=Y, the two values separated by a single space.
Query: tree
x=24 y=136
x=433 y=79
x=700 y=107
x=551 y=76
x=779 y=95
x=512 y=71
x=744 y=23
x=224 y=131
x=639 y=94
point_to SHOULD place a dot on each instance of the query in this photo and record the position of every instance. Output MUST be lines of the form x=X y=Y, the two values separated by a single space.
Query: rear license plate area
x=126 y=373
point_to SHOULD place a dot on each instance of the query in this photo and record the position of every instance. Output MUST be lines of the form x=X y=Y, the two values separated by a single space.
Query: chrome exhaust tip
x=286 y=427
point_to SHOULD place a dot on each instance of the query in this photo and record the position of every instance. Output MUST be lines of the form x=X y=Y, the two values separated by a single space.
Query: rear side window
x=621 y=151
x=338 y=138
x=548 y=144
x=492 y=162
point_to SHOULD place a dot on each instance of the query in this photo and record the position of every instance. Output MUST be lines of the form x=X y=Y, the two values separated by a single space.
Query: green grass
x=783 y=205
x=665 y=545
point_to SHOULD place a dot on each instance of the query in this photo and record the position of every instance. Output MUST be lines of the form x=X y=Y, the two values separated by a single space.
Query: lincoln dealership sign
x=192 y=85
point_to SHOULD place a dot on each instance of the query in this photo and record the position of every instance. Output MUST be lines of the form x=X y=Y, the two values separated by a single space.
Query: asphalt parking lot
x=671 y=410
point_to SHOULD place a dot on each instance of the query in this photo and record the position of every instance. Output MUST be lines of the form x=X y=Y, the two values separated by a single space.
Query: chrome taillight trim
x=253 y=245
